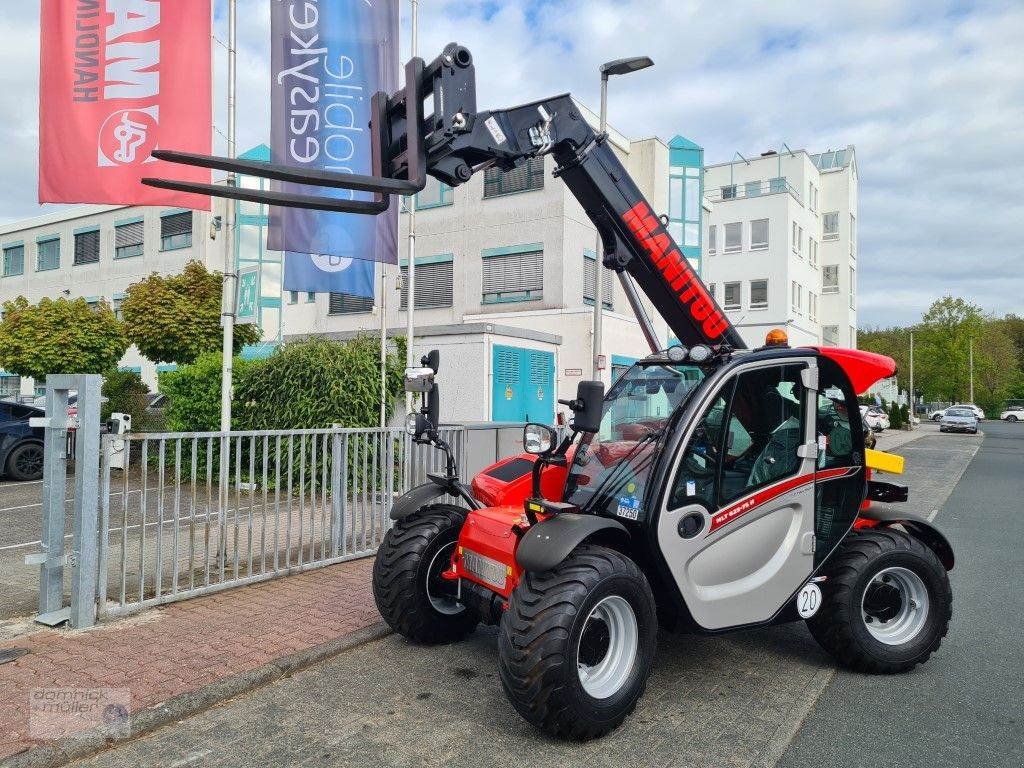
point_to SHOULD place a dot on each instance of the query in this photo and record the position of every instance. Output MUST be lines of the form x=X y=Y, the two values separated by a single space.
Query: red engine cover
x=488 y=533
x=509 y=481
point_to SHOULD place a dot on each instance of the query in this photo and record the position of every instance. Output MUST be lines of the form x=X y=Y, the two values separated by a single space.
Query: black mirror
x=432 y=408
x=539 y=439
x=432 y=360
x=588 y=405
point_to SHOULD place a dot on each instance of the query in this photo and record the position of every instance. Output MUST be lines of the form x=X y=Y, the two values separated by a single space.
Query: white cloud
x=931 y=93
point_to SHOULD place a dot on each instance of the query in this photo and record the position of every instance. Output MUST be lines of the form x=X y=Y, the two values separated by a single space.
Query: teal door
x=524 y=385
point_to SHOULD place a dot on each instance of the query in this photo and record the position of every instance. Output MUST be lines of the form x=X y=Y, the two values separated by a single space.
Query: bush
x=193 y=394
x=126 y=393
x=316 y=383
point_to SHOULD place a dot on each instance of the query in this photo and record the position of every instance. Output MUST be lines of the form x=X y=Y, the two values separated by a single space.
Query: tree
x=946 y=331
x=177 y=318
x=59 y=336
x=996 y=375
x=125 y=392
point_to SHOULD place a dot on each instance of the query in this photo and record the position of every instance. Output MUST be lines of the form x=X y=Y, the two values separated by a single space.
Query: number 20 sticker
x=808 y=600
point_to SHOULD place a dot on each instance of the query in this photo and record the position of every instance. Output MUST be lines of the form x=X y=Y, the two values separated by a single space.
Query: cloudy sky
x=931 y=93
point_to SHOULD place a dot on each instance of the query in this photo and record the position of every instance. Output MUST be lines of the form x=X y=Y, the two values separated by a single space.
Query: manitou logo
x=676 y=270
x=127 y=136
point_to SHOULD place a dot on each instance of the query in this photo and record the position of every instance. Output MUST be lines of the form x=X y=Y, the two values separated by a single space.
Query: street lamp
x=617 y=67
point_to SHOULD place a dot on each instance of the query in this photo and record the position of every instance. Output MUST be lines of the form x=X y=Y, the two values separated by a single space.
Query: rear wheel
x=407 y=585
x=26 y=462
x=1011 y=418
x=886 y=603
x=577 y=642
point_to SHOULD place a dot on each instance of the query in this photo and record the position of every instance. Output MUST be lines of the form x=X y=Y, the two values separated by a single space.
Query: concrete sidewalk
x=174 y=661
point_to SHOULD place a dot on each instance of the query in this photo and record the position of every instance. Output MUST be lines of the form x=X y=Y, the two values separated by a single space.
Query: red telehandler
x=714 y=488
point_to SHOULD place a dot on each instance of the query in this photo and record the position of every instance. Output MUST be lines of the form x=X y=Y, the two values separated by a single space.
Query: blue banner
x=321 y=273
x=328 y=58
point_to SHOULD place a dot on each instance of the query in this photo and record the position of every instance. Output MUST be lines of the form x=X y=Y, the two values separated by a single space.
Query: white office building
x=780 y=246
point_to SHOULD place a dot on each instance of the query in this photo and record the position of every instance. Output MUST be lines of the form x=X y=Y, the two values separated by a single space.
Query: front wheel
x=886 y=603
x=576 y=643
x=1011 y=419
x=407 y=585
x=26 y=462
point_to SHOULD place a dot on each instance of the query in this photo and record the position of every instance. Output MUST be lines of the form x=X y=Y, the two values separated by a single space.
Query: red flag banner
x=118 y=79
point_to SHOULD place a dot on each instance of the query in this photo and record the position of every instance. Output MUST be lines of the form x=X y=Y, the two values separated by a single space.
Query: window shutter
x=346 y=304
x=529 y=175
x=176 y=224
x=434 y=285
x=514 y=273
x=129 y=234
x=87 y=247
x=590 y=268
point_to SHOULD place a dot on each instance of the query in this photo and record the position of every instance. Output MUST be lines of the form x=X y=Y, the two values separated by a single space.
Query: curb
x=63 y=751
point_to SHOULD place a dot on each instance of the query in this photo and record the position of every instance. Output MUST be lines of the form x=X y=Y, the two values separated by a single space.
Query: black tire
x=1011 y=418
x=403 y=568
x=540 y=637
x=937 y=417
x=839 y=626
x=25 y=462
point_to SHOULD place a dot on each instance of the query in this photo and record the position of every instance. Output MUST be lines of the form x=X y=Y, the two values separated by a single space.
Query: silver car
x=959 y=420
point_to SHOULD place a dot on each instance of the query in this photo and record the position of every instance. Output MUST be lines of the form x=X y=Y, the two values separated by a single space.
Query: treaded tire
x=400 y=576
x=839 y=625
x=539 y=639
x=25 y=462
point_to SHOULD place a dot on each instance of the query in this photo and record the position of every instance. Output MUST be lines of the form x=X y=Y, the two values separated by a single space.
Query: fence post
x=337 y=489
x=104 y=539
x=84 y=557
x=55 y=473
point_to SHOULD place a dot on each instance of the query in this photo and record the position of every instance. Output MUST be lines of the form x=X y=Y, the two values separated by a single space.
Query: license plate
x=484 y=568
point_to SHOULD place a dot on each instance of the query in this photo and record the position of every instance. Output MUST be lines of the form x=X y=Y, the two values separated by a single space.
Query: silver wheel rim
x=442 y=603
x=907 y=606
x=605 y=676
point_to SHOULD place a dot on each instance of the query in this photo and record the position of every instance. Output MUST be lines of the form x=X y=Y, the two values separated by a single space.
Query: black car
x=21 y=446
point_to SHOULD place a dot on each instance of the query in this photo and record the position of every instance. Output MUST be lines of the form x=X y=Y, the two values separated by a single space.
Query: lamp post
x=410 y=272
x=230 y=275
x=617 y=67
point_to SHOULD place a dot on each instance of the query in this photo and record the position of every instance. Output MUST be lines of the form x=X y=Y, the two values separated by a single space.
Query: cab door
x=737 y=525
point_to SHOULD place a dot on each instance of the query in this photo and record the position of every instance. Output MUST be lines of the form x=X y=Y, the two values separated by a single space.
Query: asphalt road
x=965 y=707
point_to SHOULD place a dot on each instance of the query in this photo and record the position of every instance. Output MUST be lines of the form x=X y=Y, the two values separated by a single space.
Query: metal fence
x=199 y=512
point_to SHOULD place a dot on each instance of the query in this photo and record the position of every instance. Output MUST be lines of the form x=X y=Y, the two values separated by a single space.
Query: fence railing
x=199 y=512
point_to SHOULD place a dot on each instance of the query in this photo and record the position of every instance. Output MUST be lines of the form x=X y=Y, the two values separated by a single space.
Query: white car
x=937 y=415
x=1013 y=413
x=876 y=418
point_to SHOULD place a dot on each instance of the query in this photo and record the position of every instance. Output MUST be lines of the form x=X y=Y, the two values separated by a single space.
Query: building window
x=729 y=192
x=129 y=239
x=830 y=278
x=830 y=226
x=435 y=195
x=526 y=177
x=48 y=256
x=176 y=231
x=14 y=260
x=812 y=305
x=434 y=283
x=87 y=248
x=590 y=269
x=778 y=184
x=734 y=237
x=712 y=231
x=853 y=288
x=830 y=334
x=812 y=251
x=310 y=297
x=812 y=196
x=711 y=290
x=115 y=304
x=853 y=236
x=513 y=274
x=752 y=188
x=797 y=298
x=293 y=297
x=759 y=234
x=732 y=296
x=346 y=304
x=759 y=294
x=10 y=385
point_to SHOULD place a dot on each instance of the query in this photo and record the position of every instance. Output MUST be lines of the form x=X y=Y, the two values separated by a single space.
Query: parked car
x=21 y=445
x=1013 y=413
x=978 y=413
x=959 y=419
x=875 y=417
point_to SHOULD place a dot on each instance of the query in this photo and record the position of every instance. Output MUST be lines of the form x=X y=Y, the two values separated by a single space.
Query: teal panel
x=523 y=385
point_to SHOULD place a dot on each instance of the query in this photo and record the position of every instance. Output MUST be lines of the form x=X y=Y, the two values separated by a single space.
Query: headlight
x=700 y=353
x=677 y=353
x=411 y=422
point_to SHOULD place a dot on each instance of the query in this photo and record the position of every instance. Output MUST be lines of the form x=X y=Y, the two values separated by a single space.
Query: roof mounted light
x=776 y=338
x=701 y=353
x=677 y=353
